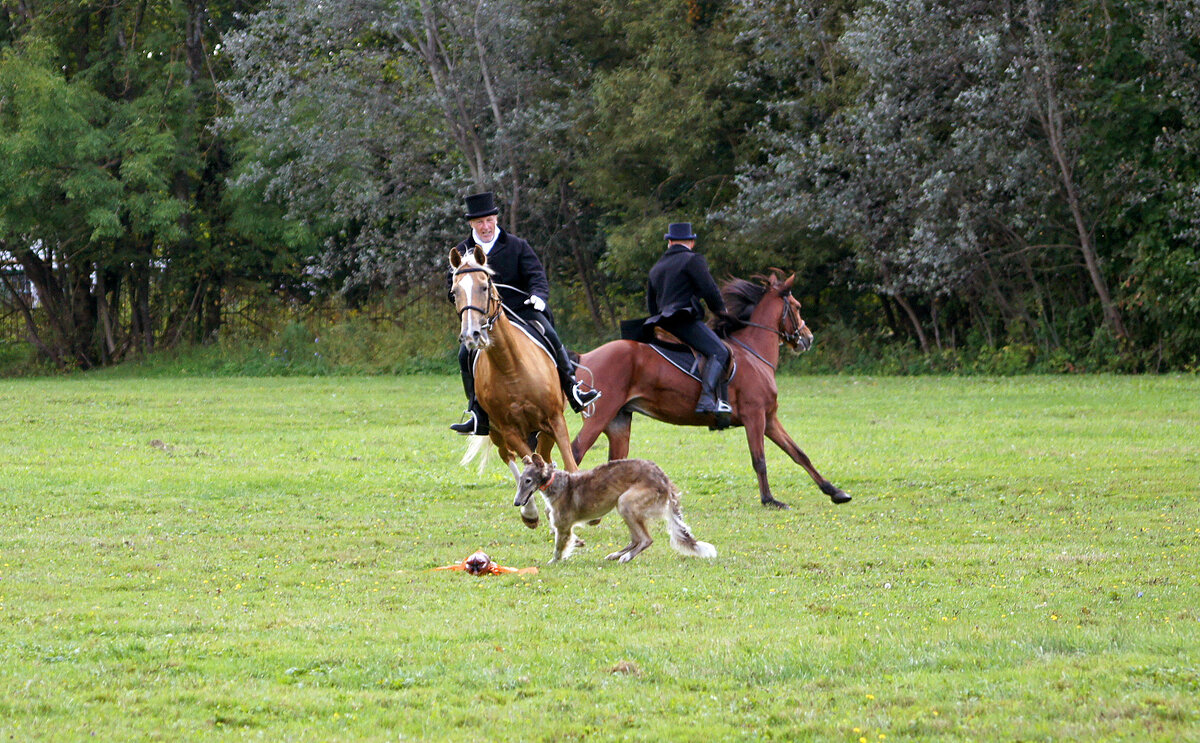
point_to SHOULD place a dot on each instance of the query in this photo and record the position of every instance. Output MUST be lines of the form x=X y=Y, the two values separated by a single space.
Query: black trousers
x=700 y=337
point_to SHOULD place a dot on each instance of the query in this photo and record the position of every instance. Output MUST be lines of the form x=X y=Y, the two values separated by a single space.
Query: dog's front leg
x=564 y=540
x=560 y=543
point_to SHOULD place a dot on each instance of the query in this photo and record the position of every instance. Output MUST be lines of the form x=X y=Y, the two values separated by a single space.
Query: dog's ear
x=536 y=458
x=528 y=460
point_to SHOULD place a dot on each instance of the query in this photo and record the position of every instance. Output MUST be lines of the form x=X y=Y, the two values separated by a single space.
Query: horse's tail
x=476 y=444
x=681 y=537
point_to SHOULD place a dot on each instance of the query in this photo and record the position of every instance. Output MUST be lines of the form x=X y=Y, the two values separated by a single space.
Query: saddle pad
x=537 y=338
x=682 y=358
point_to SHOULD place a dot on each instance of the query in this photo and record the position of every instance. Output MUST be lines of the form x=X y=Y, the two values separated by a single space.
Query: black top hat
x=481 y=205
x=680 y=231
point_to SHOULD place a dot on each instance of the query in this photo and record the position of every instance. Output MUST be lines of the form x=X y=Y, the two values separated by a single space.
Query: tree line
x=940 y=173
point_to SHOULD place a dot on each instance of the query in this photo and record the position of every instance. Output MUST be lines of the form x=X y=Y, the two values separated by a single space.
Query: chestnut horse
x=516 y=381
x=637 y=379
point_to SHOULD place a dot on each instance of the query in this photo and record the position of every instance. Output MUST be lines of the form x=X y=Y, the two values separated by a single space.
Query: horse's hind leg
x=618 y=432
x=776 y=433
x=545 y=448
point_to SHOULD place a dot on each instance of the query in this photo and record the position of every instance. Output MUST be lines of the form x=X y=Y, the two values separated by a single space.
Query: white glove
x=538 y=303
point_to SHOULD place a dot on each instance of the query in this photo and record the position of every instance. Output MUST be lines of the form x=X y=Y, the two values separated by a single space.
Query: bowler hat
x=481 y=205
x=680 y=231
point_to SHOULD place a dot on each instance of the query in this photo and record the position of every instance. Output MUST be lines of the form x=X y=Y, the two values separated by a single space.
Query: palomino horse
x=516 y=381
x=637 y=379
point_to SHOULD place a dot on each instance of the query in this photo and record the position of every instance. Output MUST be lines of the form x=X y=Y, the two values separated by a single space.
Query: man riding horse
x=678 y=281
x=519 y=276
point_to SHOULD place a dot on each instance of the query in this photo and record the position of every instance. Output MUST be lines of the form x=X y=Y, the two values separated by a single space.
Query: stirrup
x=580 y=398
x=717 y=407
x=471 y=427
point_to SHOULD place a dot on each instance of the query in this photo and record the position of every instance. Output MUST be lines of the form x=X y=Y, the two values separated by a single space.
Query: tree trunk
x=31 y=329
x=514 y=196
x=912 y=318
x=1050 y=115
x=441 y=68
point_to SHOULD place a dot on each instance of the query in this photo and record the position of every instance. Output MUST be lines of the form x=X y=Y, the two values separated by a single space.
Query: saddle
x=680 y=355
x=535 y=331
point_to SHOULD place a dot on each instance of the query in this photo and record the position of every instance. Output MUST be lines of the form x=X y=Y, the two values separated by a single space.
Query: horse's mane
x=741 y=297
x=468 y=261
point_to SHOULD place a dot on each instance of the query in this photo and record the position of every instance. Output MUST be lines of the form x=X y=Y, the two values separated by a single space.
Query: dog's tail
x=474 y=447
x=681 y=537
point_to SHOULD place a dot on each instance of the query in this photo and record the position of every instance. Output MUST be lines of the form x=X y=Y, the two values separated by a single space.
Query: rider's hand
x=537 y=302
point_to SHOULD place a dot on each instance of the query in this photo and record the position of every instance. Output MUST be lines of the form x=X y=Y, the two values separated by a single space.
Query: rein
x=752 y=351
x=791 y=337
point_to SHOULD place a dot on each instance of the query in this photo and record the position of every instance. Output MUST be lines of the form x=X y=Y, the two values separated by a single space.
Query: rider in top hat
x=678 y=281
x=524 y=289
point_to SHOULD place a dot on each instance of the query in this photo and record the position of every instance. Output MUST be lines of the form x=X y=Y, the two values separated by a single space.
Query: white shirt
x=487 y=247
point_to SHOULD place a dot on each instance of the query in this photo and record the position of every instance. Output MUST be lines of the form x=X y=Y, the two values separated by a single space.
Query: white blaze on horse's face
x=474 y=330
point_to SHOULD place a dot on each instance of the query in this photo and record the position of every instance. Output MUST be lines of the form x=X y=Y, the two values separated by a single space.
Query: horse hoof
x=776 y=504
x=531 y=523
x=836 y=494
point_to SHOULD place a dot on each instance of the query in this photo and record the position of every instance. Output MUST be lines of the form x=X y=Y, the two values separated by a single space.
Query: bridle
x=791 y=337
x=489 y=317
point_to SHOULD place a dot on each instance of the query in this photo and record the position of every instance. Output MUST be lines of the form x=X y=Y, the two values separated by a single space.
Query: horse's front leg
x=595 y=424
x=781 y=438
x=511 y=447
x=562 y=439
x=529 y=512
x=756 y=422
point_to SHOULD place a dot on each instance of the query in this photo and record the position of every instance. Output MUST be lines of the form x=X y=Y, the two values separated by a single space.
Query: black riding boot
x=477 y=424
x=578 y=398
x=708 y=402
x=575 y=395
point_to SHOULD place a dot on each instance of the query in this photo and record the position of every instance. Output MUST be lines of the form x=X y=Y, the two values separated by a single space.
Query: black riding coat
x=516 y=265
x=678 y=281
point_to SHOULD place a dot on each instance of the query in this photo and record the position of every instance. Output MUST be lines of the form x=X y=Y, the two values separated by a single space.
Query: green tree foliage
x=113 y=205
x=980 y=173
x=1020 y=174
x=371 y=123
x=666 y=126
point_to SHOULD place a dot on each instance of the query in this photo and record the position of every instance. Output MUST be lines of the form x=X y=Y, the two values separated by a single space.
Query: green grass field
x=251 y=558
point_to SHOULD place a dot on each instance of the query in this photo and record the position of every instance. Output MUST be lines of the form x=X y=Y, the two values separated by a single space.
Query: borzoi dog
x=637 y=488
